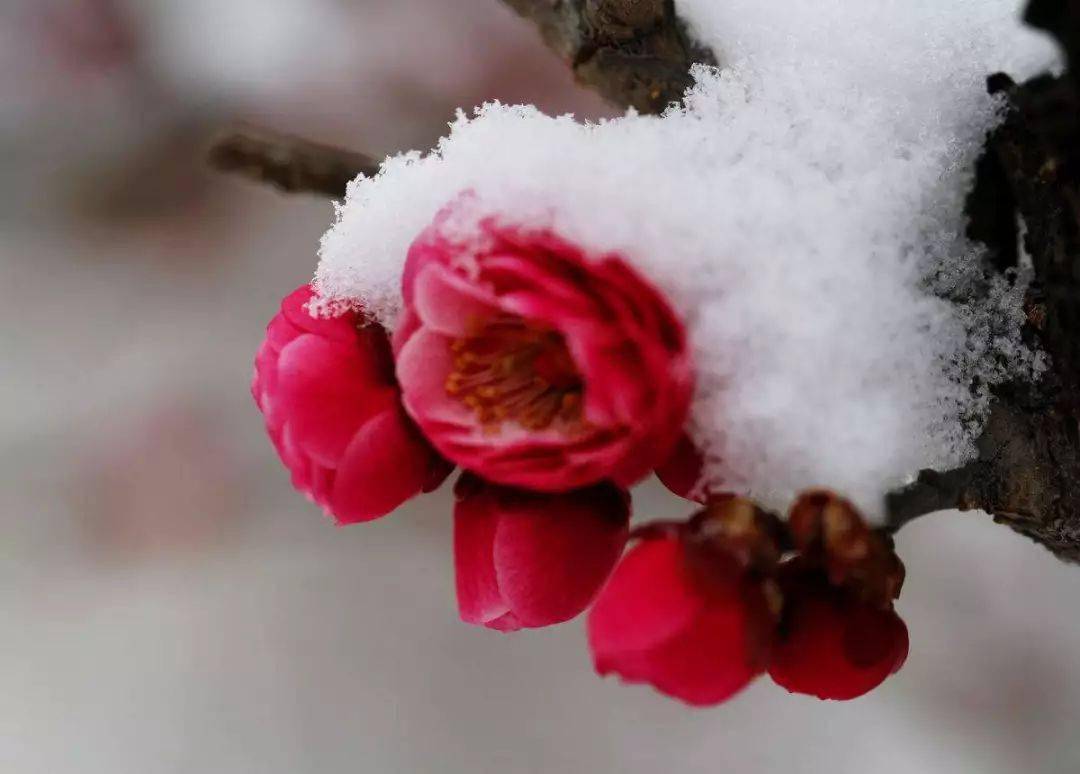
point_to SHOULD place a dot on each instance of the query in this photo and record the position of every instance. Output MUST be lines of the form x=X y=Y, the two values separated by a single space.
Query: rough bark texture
x=636 y=53
x=1028 y=471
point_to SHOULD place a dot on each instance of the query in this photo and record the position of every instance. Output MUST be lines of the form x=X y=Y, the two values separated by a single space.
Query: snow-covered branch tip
x=293 y=164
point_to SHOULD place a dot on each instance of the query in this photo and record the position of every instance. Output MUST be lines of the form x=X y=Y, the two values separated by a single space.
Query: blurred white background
x=171 y=605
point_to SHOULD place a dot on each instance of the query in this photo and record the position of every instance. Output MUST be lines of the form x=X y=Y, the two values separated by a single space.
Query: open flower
x=686 y=610
x=327 y=390
x=526 y=559
x=535 y=364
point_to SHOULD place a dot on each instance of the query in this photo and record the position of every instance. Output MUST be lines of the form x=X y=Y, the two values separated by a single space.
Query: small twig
x=291 y=163
x=930 y=492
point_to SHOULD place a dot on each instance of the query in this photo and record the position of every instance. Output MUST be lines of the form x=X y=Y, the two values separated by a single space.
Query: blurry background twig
x=293 y=164
x=635 y=53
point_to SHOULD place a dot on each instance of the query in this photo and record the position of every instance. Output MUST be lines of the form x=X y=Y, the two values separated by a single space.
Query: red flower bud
x=527 y=559
x=327 y=390
x=684 y=614
x=834 y=645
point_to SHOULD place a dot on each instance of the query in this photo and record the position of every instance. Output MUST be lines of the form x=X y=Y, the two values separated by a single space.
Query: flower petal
x=294 y=309
x=475 y=523
x=706 y=663
x=423 y=364
x=327 y=390
x=448 y=304
x=647 y=601
x=653 y=625
x=837 y=647
x=552 y=553
x=385 y=464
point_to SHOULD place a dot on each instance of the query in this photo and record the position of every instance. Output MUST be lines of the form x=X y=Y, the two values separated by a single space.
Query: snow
x=803 y=211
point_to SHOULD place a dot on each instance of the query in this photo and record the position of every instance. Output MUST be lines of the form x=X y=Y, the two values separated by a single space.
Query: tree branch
x=636 y=53
x=930 y=492
x=292 y=164
x=1028 y=471
x=1061 y=18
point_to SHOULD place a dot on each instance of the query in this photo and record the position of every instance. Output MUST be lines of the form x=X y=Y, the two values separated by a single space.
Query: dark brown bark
x=1061 y=18
x=1028 y=471
x=635 y=53
x=292 y=164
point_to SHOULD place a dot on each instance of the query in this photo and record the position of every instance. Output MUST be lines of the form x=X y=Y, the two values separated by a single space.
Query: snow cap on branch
x=803 y=212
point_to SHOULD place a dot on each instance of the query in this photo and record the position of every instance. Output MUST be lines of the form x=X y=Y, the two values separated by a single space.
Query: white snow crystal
x=803 y=211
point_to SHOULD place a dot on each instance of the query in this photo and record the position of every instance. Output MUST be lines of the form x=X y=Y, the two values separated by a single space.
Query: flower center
x=513 y=370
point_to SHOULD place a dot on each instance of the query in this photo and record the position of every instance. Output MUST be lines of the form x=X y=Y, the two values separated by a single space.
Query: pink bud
x=528 y=559
x=700 y=638
x=835 y=646
x=327 y=390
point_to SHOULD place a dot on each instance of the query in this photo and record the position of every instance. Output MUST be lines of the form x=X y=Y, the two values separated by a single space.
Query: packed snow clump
x=803 y=210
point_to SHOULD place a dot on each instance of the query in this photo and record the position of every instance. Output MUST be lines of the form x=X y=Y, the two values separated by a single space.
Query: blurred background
x=169 y=604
